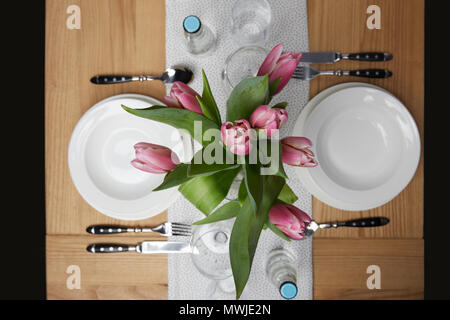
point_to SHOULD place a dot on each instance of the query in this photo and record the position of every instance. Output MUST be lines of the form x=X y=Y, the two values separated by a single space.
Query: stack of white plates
x=366 y=143
x=100 y=152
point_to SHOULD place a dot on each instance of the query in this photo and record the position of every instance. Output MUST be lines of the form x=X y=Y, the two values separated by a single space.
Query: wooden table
x=127 y=36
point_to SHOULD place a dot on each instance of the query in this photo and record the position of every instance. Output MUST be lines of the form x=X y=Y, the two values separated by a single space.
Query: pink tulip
x=264 y=117
x=280 y=65
x=282 y=116
x=268 y=119
x=154 y=158
x=296 y=152
x=184 y=97
x=237 y=136
x=290 y=220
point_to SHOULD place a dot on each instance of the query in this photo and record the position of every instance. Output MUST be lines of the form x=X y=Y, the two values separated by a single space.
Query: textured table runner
x=289 y=26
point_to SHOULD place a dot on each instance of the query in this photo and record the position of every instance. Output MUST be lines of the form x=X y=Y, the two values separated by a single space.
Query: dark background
x=22 y=258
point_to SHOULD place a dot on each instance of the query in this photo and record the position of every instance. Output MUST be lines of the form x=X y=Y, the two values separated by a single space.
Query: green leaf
x=204 y=169
x=253 y=183
x=281 y=171
x=242 y=193
x=275 y=166
x=178 y=118
x=227 y=211
x=247 y=229
x=273 y=86
x=207 y=102
x=240 y=257
x=206 y=192
x=175 y=177
x=249 y=94
x=281 y=105
x=277 y=231
x=287 y=195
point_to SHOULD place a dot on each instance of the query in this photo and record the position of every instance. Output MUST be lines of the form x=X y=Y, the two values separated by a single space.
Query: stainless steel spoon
x=359 y=223
x=169 y=76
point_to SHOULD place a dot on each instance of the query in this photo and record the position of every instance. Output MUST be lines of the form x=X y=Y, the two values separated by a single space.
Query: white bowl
x=100 y=151
x=366 y=142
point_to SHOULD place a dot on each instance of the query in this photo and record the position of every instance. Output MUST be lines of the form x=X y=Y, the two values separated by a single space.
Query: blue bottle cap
x=288 y=290
x=191 y=24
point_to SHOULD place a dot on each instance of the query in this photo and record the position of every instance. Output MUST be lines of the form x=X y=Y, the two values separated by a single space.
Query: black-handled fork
x=308 y=73
x=166 y=229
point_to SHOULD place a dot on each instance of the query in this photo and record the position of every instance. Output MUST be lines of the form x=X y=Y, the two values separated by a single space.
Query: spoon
x=169 y=76
x=359 y=223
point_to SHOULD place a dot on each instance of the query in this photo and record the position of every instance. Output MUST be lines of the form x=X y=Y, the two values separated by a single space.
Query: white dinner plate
x=366 y=142
x=100 y=151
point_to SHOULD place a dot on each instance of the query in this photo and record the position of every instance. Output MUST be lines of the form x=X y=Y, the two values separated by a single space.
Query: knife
x=331 y=57
x=144 y=247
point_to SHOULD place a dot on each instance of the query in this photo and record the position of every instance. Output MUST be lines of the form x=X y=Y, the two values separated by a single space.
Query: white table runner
x=291 y=28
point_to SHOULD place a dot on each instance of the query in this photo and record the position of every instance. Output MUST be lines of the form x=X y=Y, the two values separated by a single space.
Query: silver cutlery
x=331 y=57
x=308 y=73
x=169 y=76
x=358 y=223
x=166 y=229
x=146 y=247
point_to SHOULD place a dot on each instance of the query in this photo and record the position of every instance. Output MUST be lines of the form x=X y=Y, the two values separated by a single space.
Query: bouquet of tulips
x=246 y=144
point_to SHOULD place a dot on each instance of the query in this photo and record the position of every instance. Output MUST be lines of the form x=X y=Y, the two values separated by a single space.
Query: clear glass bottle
x=199 y=38
x=281 y=272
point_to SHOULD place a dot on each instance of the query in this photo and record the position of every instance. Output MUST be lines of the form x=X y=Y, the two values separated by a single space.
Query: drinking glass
x=212 y=240
x=213 y=258
x=250 y=22
x=241 y=64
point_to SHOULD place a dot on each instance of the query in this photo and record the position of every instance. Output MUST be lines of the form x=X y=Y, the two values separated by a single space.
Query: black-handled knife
x=331 y=57
x=144 y=247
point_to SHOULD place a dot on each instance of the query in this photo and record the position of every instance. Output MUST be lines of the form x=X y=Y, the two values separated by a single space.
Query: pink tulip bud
x=237 y=136
x=296 y=152
x=290 y=220
x=154 y=158
x=264 y=117
x=184 y=97
x=282 y=116
x=268 y=119
x=280 y=65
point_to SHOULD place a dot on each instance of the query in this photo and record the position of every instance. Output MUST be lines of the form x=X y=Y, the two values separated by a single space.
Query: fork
x=166 y=229
x=308 y=73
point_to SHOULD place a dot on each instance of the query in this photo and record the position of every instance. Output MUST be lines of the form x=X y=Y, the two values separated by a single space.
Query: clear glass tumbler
x=212 y=241
x=250 y=22
x=213 y=257
x=241 y=64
